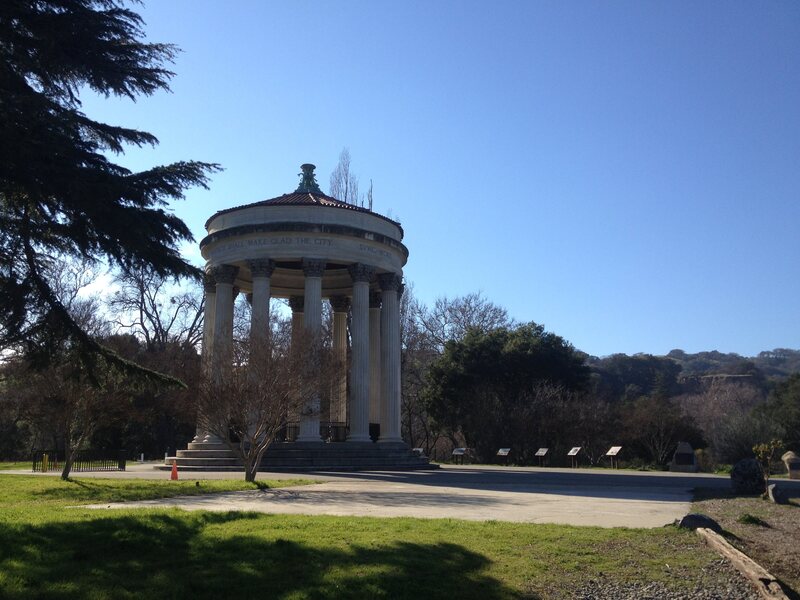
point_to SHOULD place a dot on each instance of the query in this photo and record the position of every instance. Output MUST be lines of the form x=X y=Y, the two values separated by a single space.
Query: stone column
x=261 y=271
x=340 y=306
x=224 y=276
x=210 y=289
x=222 y=334
x=375 y=358
x=312 y=319
x=296 y=304
x=359 y=369
x=390 y=358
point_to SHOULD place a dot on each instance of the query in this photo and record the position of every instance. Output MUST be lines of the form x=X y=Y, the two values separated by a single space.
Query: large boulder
x=747 y=477
x=777 y=494
x=696 y=521
x=792 y=462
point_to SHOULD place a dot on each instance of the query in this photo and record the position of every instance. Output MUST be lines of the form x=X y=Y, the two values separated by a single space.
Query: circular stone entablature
x=304 y=224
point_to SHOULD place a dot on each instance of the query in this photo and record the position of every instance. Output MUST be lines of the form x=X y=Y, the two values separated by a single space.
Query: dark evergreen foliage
x=493 y=386
x=623 y=377
x=60 y=195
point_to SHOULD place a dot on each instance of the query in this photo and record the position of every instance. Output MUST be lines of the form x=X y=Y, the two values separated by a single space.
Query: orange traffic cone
x=174 y=475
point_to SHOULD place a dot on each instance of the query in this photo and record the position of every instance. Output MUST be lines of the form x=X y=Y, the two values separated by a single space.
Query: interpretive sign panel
x=542 y=451
x=611 y=454
x=574 y=451
x=503 y=452
x=459 y=454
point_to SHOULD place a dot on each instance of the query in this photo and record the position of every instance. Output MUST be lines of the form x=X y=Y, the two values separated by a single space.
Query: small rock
x=777 y=494
x=696 y=520
x=747 y=477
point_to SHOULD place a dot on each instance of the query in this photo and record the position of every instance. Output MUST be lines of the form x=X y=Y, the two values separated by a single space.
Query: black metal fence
x=47 y=462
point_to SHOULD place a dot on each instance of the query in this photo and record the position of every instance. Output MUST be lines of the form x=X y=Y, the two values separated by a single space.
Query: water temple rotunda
x=311 y=248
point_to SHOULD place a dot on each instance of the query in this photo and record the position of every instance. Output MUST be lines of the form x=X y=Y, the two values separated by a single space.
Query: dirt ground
x=768 y=533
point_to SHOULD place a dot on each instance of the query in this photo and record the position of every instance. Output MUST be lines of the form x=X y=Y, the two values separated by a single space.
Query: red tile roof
x=304 y=199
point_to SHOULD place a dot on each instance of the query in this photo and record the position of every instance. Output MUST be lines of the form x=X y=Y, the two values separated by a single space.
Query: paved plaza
x=601 y=498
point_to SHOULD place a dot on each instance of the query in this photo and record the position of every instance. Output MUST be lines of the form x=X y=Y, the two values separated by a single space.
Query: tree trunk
x=69 y=458
x=250 y=471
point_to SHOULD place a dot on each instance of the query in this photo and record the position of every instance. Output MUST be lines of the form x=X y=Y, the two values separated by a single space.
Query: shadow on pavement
x=585 y=483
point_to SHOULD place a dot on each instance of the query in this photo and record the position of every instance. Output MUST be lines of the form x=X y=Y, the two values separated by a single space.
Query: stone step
x=343 y=458
x=184 y=461
x=205 y=454
x=206 y=446
x=200 y=469
x=344 y=461
x=292 y=469
x=308 y=456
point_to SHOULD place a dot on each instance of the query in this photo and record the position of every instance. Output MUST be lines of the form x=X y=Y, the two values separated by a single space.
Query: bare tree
x=158 y=310
x=450 y=319
x=344 y=183
x=416 y=356
x=72 y=405
x=657 y=424
x=66 y=399
x=248 y=404
x=724 y=411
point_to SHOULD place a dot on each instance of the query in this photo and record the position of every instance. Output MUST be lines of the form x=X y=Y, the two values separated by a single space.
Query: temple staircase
x=303 y=456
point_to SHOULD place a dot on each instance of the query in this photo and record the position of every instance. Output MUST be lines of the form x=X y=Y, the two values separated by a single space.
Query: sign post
x=574 y=455
x=503 y=453
x=613 y=454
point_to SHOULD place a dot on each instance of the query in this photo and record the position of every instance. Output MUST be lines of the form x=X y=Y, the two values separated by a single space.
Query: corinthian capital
x=261 y=268
x=389 y=282
x=209 y=283
x=340 y=304
x=225 y=273
x=313 y=267
x=361 y=272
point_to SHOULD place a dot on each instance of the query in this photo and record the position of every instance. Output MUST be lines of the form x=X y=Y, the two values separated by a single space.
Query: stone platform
x=299 y=456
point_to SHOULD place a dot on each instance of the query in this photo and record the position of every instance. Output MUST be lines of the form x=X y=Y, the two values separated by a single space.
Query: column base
x=309 y=429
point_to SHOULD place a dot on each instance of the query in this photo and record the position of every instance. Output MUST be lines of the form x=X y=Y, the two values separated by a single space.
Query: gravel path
x=720 y=582
x=768 y=533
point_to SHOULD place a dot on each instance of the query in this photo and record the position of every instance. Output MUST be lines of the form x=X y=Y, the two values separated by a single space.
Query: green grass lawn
x=7 y=466
x=50 y=550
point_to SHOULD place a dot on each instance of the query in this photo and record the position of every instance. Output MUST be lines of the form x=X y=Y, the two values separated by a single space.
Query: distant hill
x=622 y=376
x=778 y=363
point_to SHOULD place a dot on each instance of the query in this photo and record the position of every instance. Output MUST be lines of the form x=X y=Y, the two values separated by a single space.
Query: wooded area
x=472 y=377
x=81 y=372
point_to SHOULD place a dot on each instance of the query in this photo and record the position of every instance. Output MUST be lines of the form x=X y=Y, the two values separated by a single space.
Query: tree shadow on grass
x=163 y=555
x=100 y=491
x=81 y=490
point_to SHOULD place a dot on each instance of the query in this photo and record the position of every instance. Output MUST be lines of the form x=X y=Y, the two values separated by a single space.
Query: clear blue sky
x=625 y=173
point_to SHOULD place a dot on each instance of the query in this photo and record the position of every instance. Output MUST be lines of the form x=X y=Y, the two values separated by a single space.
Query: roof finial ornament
x=308 y=183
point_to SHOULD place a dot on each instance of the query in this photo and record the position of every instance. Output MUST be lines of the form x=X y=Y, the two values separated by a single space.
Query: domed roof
x=307 y=193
